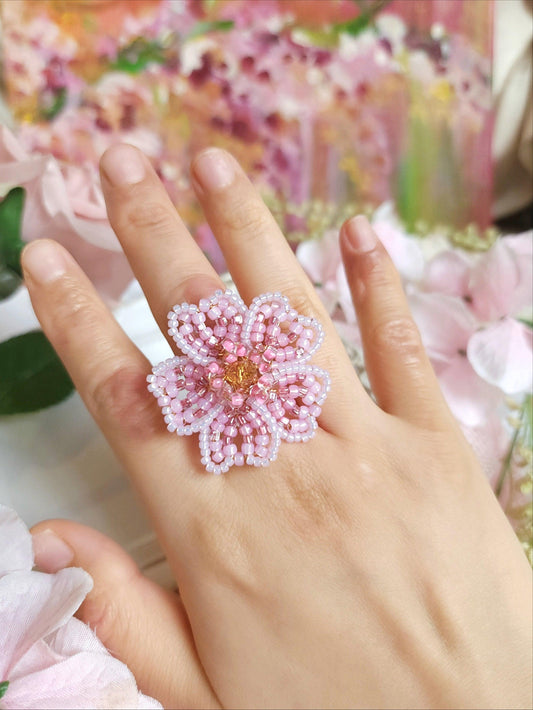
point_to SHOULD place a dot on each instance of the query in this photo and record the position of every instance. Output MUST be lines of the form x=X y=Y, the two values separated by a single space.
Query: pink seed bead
x=198 y=318
x=230 y=450
x=246 y=430
x=308 y=399
x=241 y=350
x=231 y=431
x=228 y=345
x=239 y=459
x=230 y=312
x=247 y=449
x=214 y=312
x=214 y=367
x=256 y=337
x=217 y=383
x=273 y=331
x=262 y=440
x=315 y=410
x=175 y=405
x=269 y=353
x=283 y=340
x=185 y=329
x=219 y=331
x=218 y=457
x=261 y=451
x=237 y=399
x=294 y=391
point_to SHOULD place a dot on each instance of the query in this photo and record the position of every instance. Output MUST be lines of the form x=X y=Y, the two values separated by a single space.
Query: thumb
x=142 y=624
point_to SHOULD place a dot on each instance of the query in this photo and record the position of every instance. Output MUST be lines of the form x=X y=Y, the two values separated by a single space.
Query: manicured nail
x=360 y=234
x=214 y=169
x=44 y=260
x=51 y=553
x=123 y=165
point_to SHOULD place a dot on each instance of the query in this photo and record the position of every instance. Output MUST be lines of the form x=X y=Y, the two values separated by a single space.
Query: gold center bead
x=242 y=374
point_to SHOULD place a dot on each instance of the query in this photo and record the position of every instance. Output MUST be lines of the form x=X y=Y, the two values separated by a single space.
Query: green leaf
x=137 y=55
x=33 y=376
x=3 y=688
x=56 y=105
x=11 y=244
x=357 y=25
x=9 y=282
x=205 y=26
x=526 y=321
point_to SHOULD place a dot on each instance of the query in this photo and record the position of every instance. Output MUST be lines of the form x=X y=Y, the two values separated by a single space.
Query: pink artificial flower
x=498 y=288
x=243 y=382
x=49 y=658
x=446 y=326
x=65 y=203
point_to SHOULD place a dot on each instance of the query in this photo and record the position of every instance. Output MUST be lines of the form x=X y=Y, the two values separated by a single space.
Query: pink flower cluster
x=471 y=309
x=48 y=658
x=243 y=382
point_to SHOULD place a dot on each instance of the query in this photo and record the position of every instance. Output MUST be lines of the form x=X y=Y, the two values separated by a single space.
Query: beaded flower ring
x=243 y=381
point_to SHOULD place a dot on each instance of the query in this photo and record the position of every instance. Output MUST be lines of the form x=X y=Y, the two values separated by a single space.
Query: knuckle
x=401 y=336
x=101 y=612
x=246 y=217
x=71 y=309
x=122 y=398
x=152 y=215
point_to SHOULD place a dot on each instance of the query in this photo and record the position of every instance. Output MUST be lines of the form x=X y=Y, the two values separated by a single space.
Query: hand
x=369 y=567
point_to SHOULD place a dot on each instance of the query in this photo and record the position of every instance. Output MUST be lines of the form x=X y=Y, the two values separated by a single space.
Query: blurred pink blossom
x=49 y=658
x=65 y=203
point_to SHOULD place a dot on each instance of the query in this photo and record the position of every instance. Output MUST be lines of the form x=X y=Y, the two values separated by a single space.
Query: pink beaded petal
x=182 y=392
x=301 y=390
x=274 y=329
x=239 y=436
x=201 y=330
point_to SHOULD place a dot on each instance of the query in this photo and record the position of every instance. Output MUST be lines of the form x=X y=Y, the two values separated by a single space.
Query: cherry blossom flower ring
x=243 y=382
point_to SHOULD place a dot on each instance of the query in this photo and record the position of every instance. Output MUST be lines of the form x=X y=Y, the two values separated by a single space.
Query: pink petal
x=320 y=258
x=184 y=395
x=490 y=441
x=238 y=436
x=502 y=354
x=448 y=273
x=299 y=398
x=404 y=251
x=445 y=323
x=274 y=329
x=34 y=605
x=493 y=283
x=15 y=543
x=522 y=247
x=470 y=398
x=199 y=330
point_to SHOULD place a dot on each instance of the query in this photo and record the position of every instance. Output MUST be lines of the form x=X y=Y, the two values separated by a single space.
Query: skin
x=371 y=567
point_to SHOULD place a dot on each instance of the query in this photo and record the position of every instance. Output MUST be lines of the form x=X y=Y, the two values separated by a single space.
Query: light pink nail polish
x=44 y=261
x=214 y=169
x=123 y=165
x=51 y=553
x=360 y=234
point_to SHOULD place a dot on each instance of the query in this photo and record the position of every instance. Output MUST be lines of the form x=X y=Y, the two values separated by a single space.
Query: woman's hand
x=369 y=567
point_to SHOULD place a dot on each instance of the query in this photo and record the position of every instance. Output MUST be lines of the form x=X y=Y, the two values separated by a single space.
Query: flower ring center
x=241 y=374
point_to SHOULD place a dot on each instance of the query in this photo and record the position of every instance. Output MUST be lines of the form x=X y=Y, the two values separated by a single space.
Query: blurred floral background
x=333 y=107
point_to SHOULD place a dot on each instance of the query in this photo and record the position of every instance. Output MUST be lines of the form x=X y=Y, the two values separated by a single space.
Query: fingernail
x=360 y=234
x=50 y=552
x=44 y=260
x=214 y=169
x=123 y=165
